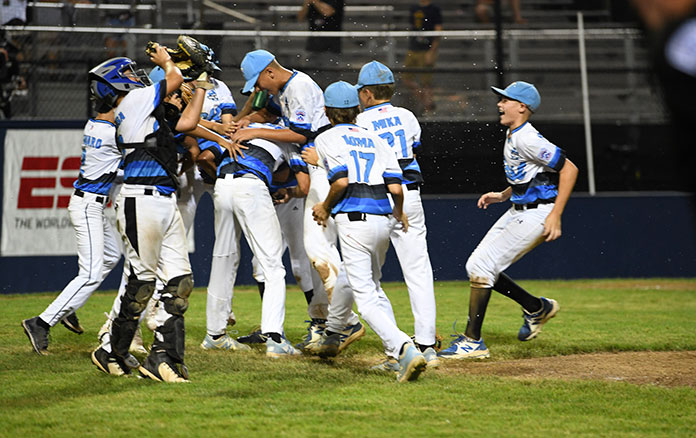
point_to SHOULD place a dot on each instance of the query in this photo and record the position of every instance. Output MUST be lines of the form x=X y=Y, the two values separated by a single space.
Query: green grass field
x=235 y=394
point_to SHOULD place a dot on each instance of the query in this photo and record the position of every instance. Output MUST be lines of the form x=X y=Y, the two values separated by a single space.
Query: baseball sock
x=262 y=288
x=478 y=302
x=216 y=337
x=506 y=286
x=275 y=336
x=309 y=295
x=422 y=348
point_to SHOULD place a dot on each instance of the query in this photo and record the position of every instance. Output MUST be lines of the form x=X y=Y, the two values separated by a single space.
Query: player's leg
x=86 y=216
x=166 y=359
x=412 y=250
x=319 y=241
x=253 y=208
x=223 y=270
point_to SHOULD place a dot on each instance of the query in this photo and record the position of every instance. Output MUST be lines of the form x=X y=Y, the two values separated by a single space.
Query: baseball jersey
x=349 y=151
x=134 y=121
x=100 y=158
x=531 y=165
x=263 y=157
x=301 y=103
x=400 y=128
x=218 y=101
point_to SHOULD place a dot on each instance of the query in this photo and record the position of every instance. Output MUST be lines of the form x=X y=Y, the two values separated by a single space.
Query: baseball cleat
x=36 y=334
x=351 y=334
x=160 y=367
x=224 y=342
x=72 y=323
x=107 y=363
x=411 y=364
x=390 y=365
x=431 y=357
x=465 y=348
x=283 y=349
x=314 y=332
x=255 y=337
x=534 y=321
x=329 y=345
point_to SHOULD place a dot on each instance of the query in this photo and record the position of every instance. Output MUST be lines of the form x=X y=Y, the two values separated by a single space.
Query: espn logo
x=46 y=173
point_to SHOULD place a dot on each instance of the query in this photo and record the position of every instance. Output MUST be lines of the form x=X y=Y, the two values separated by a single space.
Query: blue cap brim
x=250 y=84
x=501 y=92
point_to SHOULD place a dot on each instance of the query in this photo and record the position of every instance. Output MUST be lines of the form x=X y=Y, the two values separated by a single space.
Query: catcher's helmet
x=110 y=78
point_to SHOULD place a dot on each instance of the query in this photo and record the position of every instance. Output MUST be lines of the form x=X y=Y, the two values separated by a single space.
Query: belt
x=412 y=186
x=150 y=192
x=234 y=175
x=357 y=216
x=532 y=205
x=100 y=199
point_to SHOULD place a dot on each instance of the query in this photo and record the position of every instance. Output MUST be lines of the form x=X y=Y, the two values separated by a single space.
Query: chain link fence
x=53 y=64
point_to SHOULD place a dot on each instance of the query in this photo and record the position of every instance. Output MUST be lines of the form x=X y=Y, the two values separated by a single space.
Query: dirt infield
x=668 y=368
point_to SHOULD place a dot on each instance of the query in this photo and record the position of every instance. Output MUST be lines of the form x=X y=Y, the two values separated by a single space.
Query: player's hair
x=382 y=91
x=342 y=115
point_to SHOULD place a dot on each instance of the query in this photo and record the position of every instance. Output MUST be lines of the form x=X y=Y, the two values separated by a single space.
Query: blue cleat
x=411 y=364
x=465 y=348
x=534 y=321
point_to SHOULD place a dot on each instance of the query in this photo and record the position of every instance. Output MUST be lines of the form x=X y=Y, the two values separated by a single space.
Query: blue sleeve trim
x=558 y=160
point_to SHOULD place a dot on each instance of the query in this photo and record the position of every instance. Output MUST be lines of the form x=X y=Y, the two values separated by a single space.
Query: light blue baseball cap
x=156 y=74
x=522 y=92
x=341 y=94
x=374 y=73
x=252 y=66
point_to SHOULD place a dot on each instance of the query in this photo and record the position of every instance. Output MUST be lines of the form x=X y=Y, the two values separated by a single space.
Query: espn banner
x=40 y=167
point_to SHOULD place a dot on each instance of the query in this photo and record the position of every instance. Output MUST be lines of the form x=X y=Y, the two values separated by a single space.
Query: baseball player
x=400 y=128
x=148 y=219
x=541 y=179
x=98 y=249
x=361 y=170
x=301 y=104
x=243 y=204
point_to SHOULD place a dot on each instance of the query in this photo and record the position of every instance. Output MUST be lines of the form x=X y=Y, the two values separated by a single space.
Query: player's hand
x=310 y=156
x=239 y=124
x=281 y=196
x=489 y=198
x=226 y=129
x=234 y=149
x=320 y=214
x=552 y=227
x=160 y=56
x=244 y=134
x=401 y=217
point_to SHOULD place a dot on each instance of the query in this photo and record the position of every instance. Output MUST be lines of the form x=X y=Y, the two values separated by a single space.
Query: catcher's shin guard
x=176 y=293
x=133 y=302
x=169 y=338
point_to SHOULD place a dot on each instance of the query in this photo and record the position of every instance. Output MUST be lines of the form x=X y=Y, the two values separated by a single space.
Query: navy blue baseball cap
x=374 y=73
x=252 y=66
x=341 y=94
x=522 y=92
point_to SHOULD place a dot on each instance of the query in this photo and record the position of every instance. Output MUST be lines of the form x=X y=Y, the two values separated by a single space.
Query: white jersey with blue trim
x=301 y=103
x=400 y=128
x=100 y=157
x=218 y=101
x=349 y=151
x=531 y=165
x=134 y=122
x=263 y=157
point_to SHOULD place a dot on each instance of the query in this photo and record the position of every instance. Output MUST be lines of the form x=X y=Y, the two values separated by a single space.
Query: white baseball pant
x=98 y=251
x=511 y=237
x=243 y=204
x=364 y=247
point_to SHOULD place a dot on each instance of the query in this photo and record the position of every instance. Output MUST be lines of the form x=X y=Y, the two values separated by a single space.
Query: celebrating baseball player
x=98 y=248
x=400 y=128
x=301 y=105
x=148 y=219
x=361 y=170
x=541 y=179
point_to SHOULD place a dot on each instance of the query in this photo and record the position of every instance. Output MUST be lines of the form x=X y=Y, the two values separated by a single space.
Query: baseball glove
x=186 y=92
x=192 y=57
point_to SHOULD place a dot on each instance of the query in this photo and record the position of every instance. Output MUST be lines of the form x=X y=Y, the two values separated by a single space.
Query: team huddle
x=296 y=168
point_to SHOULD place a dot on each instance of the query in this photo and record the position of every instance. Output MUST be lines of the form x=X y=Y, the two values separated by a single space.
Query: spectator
x=422 y=52
x=323 y=52
x=117 y=43
x=483 y=11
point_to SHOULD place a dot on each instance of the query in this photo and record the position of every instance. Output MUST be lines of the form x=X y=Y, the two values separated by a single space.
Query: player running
x=541 y=179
